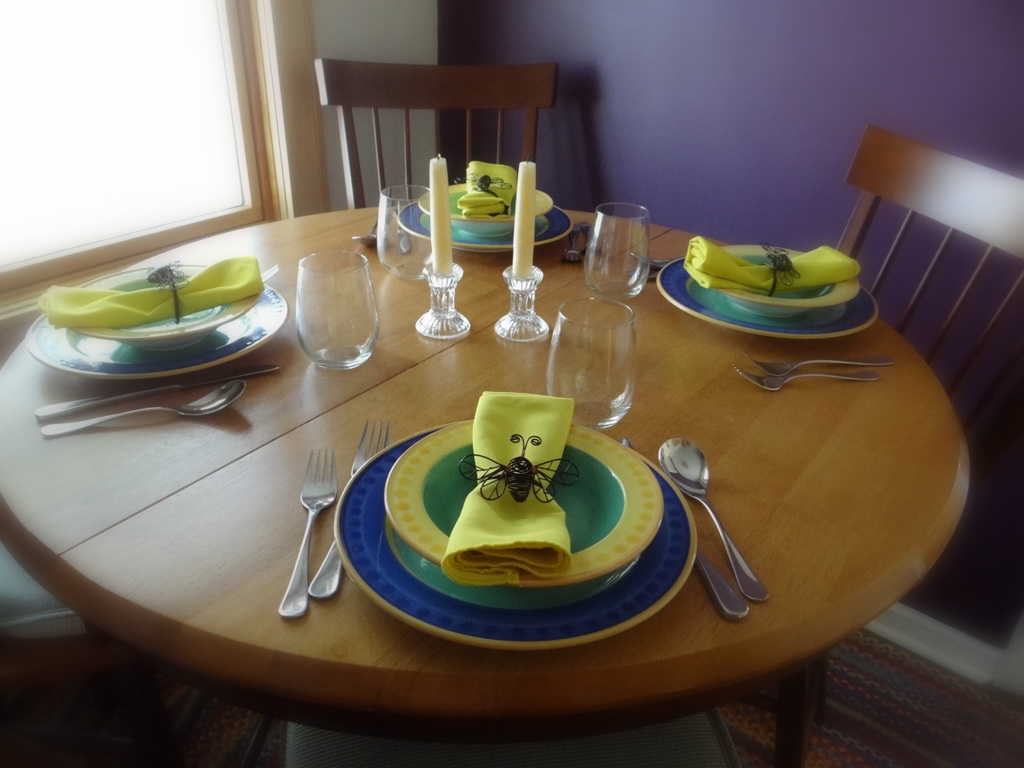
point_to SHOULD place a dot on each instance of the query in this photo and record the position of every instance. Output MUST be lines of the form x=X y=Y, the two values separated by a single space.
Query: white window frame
x=280 y=125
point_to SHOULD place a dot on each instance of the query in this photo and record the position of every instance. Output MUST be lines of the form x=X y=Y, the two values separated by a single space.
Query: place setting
x=519 y=529
x=152 y=323
x=482 y=210
x=770 y=291
x=157 y=322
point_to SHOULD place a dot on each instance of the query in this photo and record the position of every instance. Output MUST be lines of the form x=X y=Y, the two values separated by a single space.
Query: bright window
x=125 y=124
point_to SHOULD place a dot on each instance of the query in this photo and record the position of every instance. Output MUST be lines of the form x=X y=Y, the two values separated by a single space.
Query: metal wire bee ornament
x=169 y=277
x=520 y=476
x=783 y=270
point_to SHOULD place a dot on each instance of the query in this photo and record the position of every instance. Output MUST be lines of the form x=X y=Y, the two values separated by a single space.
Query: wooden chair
x=43 y=643
x=442 y=89
x=941 y=241
x=941 y=245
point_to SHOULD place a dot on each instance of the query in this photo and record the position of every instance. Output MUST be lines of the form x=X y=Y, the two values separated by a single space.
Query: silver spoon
x=369 y=239
x=686 y=464
x=215 y=401
x=727 y=601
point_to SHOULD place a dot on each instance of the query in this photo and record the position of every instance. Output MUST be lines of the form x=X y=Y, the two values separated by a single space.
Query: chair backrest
x=349 y=85
x=944 y=238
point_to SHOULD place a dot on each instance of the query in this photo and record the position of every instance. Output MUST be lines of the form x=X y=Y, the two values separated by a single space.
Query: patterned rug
x=887 y=708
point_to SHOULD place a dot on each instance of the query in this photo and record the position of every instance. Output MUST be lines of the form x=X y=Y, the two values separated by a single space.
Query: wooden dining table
x=177 y=536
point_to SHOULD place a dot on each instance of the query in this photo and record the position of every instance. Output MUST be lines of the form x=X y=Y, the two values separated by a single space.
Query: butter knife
x=47 y=412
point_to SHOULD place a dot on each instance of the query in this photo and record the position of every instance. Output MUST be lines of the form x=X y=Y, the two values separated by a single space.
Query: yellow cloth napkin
x=714 y=267
x=492 y=541
x=221 y=283
x=490 y=189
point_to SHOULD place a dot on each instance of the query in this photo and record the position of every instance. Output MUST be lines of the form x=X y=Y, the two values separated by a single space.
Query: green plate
x=497 y=596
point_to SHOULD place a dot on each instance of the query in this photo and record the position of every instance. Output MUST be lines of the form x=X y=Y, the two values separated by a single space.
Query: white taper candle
x=440 y=217
x=523 y=234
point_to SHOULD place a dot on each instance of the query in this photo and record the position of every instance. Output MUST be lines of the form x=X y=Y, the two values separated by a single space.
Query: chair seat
x=29 y=611
x=696 y=741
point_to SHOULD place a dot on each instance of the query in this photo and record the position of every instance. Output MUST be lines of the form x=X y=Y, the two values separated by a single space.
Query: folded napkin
x=714 y=267
x=490 y=189
x=221 y=283
x=493 y=541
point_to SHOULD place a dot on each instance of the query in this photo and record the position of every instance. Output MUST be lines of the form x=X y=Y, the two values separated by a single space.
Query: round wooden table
x=178 y=538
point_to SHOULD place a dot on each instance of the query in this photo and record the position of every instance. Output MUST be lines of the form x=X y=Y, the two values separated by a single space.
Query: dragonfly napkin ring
x=169 y=277
x=782 y=267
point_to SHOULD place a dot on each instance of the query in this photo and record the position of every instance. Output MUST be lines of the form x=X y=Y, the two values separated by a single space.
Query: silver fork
x=376 y=437
x=319 y=490
x=573 y=253
x=777 y=382
x=781 y=369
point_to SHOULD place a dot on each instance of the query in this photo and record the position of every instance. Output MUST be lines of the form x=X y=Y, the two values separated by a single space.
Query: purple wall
x=738 y=119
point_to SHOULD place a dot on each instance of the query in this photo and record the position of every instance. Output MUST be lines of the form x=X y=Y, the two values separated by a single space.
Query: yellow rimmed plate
x=486 y=227
x=790 y=303
x=612 y=512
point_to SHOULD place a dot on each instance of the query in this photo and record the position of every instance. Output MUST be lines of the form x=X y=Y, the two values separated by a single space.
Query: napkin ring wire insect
x=520 y=476
x=783 y=270
x=169 y=277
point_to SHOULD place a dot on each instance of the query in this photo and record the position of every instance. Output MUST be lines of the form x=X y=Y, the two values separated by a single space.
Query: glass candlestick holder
x=522 y=323
x=443 y=321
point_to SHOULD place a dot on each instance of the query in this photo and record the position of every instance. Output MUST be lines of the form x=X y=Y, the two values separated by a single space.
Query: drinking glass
x=593 y=359
x=617 y=261
x=402 y=254
x=335 y=310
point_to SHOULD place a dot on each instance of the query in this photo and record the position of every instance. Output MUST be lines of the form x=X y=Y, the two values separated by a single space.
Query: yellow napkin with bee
x=714 y=267
x=225 y=282
x=494 y=541
x=490 y=189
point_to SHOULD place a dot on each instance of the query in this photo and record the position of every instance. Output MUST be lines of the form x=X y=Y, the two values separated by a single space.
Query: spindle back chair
x=941 y=241
x=503 y=90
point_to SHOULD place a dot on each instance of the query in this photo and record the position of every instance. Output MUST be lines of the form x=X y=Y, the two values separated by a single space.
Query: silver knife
x=47 y=412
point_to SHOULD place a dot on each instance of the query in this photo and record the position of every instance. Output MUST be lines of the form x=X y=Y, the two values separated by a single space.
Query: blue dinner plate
x=709 y=305
x=639 y=592
x=66 y=350
x=549 y=227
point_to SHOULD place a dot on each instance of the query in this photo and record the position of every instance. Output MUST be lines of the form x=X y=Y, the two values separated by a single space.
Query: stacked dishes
x=633 y=545
x=487 y=233
x=835 y=309
x=163 y=348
